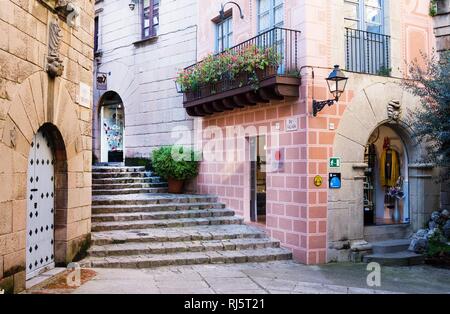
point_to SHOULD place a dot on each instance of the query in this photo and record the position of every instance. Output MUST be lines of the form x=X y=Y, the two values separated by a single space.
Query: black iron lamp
x=133 y=4
x=337 y=82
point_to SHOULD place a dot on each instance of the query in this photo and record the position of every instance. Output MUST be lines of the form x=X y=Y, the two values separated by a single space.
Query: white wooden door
x=40 y=207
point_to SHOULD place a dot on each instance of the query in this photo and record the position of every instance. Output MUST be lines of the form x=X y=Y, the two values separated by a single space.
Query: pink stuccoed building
x=319 y=184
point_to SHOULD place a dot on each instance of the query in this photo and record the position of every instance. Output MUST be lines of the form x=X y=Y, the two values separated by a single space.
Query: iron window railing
x=367 y=52
x=284 y=41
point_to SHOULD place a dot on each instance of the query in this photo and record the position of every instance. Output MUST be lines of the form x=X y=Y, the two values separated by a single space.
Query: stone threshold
x=44 y=277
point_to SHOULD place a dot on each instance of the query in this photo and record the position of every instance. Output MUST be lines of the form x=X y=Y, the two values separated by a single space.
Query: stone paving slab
x=131 y=191
x=142 y=199
x=165 y=223
x=112 y=209
x=257 y=278
x=187 y=258
x=193 y=213
x=124 y=180
x=216 y=232
x=184 y=246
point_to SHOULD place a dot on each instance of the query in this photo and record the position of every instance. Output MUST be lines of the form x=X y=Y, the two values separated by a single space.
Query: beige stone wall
x=29 y=99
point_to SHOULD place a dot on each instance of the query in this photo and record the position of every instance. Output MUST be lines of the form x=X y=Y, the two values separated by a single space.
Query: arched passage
x=111 y=130
x=380 y=106
x=46 y=201
x=386 y=178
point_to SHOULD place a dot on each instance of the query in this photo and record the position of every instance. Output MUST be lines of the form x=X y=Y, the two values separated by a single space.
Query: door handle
x=34 y=190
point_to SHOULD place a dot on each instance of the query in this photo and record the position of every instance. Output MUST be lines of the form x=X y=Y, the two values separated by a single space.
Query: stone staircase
x=393 y=253
x=135 y=224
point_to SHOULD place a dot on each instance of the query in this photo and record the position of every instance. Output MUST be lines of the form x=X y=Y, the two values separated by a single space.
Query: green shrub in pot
x=176 y=164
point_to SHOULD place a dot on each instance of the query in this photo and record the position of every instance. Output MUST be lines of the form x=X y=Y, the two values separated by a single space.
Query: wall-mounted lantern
x=337 y=82
x=133 y=4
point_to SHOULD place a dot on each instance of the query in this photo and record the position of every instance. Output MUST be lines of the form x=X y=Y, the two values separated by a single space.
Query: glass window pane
x=279 y=18
x=373 y=15
x=351 y=11
x=264 y=6
x=351 y=24
x=264 y=22
x=373 y=3
x=373 y=28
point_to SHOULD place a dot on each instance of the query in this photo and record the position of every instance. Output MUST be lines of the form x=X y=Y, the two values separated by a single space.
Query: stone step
x=404 y=258
x=119 y=186
x=188 y=258
x=130 y=191
x=181 y=247
x=96 y=169
x=197 y=233
x=146 y=199
x=101 y=175
x=390 y=246
x=109 y=209
x=181 y=214
x=165 y=223
x=125 y=180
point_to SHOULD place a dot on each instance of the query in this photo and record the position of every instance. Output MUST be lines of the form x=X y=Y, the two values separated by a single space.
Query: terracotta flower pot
x=267 y=72
x=190 y=95
x=175 y=186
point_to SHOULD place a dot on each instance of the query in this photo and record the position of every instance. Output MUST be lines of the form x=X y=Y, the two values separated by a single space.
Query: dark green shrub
x=175 y=162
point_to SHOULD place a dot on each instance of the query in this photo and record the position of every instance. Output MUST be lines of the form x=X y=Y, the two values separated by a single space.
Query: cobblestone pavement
x=284 y=277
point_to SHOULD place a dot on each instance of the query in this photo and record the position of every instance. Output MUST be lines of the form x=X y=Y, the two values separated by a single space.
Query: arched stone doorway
x=386 y=179
x=111 y=128
x=379 y=106
x=46 y=201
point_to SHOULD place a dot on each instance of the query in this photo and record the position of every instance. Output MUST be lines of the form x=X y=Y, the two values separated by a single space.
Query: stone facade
x=32 y=100
x=317 y=223
x=142 y=72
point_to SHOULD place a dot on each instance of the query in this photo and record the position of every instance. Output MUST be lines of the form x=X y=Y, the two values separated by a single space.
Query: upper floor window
x=150 y=18
x=224 y=34
x=96 y=33
x=366 y=15
x=270 y=14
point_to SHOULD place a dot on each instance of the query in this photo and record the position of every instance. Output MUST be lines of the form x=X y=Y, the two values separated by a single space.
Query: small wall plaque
x=291 y=124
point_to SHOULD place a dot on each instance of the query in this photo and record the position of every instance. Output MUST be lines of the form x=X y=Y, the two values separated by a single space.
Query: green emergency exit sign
x=335 y=162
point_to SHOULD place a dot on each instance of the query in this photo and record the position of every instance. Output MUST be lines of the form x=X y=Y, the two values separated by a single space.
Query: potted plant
x=230 y=69
x=176 y=164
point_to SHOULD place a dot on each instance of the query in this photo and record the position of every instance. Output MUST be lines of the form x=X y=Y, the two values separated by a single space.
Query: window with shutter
x=224 y=34
x=150 y=18
x=365 y=15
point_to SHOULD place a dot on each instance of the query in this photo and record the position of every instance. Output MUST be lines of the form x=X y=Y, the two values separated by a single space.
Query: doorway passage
x=112 y=128
x=386 y=184
x=258 y=177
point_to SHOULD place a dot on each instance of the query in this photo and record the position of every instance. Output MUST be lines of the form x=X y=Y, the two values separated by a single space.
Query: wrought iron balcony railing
x=226 y=93
x=367 y=52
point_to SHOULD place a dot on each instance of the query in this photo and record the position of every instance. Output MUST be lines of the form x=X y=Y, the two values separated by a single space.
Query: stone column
x=424 y=193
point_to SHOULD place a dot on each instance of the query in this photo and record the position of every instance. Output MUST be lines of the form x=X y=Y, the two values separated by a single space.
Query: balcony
x=367 y=52
x=259 y=70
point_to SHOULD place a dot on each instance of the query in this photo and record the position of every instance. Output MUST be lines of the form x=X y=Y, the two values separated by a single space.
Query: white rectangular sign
x=85 y=95
x=291 y=124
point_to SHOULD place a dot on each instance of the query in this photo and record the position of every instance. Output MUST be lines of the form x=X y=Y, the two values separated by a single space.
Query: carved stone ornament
x=55 y=65
x=394 y=110
x=12 y=136
x=70 y=10
x=67 y=10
